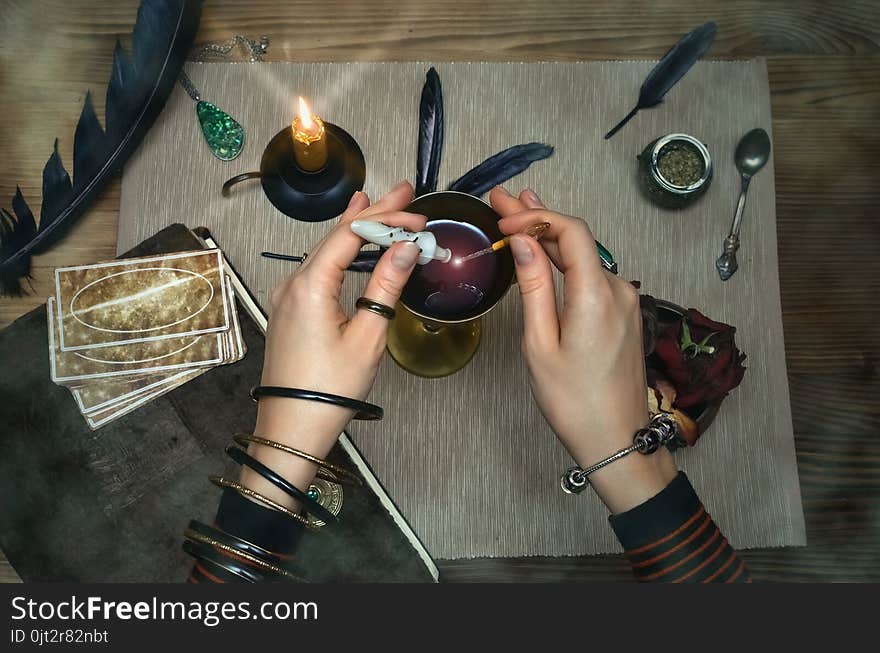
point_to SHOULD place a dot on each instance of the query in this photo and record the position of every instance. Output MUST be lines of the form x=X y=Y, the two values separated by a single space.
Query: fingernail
x=354 y=198
x=503 y=190
x=400 y=184
x=521 y=251
x=405 y=255
x=532 y=198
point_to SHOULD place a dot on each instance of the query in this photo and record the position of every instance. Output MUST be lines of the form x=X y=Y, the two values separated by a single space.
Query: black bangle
x=235 y=542
x=252 y=561
x=205 y=553
x=243 y=458
x=363 y=410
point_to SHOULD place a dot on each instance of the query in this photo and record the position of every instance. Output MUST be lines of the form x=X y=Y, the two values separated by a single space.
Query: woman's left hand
x=313 y=344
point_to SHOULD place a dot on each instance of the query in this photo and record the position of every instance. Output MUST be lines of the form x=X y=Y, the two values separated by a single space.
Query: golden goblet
x=437 y=328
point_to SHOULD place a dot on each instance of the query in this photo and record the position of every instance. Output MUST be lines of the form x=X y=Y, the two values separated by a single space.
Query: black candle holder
x=309 y=196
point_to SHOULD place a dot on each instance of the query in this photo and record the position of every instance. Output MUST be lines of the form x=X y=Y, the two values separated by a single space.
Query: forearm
x=309 y=428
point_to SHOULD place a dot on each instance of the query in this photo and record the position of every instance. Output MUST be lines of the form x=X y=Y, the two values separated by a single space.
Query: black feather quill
x=430 y=134
x=501 y=167
x=671 y=68
x=140 y=83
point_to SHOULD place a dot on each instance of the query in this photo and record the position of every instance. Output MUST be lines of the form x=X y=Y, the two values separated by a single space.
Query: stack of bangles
x=245 y=560
x=662 y=430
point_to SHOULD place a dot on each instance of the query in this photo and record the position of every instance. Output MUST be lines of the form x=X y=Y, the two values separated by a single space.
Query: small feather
x=56 y=188
x=138 y=87
x=501 y=167
x=15 y=232
x=118 y=93
x=23 y=211
x=88 y=145
x=430 y=134
x=672 y=67
x=153 y=32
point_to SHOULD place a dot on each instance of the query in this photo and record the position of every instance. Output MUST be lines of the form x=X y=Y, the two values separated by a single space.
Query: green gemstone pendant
x=222 y=132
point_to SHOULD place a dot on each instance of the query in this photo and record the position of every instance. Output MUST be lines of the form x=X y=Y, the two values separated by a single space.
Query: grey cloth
x=469 y=458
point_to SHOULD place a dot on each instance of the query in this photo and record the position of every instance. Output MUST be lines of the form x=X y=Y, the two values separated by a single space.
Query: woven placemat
x=469 y=459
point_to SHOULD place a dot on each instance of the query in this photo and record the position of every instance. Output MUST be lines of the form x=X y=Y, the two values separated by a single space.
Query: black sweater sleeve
x=671 y=538
x=264 y=527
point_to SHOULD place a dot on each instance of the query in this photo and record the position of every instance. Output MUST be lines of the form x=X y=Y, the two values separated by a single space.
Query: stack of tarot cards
x=124 y=332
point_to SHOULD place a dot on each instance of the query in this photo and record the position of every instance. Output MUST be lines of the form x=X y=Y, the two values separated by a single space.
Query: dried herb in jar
x=680 y=164
x=674 y=170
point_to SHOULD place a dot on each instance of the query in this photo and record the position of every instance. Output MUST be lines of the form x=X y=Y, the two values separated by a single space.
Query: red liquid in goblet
x=454 y=290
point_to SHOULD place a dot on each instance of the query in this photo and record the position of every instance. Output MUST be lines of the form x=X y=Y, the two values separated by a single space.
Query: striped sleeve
x=254 y=523
x=671 y=538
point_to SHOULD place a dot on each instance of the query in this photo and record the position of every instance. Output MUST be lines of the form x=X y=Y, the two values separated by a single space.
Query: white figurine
x=384 y=236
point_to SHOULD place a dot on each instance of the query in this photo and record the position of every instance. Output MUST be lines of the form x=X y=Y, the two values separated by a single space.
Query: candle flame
x=305 y=115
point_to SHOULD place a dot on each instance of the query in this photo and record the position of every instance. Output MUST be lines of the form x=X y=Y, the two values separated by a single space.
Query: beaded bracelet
x=661 y=430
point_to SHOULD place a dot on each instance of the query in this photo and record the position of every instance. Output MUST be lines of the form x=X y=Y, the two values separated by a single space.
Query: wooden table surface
x=824 y=62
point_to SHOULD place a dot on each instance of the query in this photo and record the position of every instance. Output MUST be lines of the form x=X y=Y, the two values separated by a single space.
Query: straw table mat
x=469 y=459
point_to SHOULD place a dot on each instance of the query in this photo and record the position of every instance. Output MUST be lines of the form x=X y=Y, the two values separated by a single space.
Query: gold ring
x=375 y=307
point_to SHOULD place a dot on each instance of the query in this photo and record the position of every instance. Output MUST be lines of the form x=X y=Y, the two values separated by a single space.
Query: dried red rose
x=700 y=358
x=648 y=306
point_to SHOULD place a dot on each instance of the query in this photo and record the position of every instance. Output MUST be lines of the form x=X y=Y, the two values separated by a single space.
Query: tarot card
x=239 y=349
x=98 y=419
x=141 y=300
x=100 y=394
x=131 y=359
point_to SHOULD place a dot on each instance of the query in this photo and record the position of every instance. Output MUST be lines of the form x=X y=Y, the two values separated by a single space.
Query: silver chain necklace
x=223 y=134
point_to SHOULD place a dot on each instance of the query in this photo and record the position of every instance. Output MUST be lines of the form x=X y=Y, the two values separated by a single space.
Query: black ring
x=244 y=458
x=363 y=410
x=375 y=307
x=235 y=542
x=209 y=554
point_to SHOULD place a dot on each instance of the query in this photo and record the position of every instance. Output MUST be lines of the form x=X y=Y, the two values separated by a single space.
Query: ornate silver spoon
x=751 y=154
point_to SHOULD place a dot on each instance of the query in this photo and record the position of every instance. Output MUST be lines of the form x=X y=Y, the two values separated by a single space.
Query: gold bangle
x=222 y=482
x=245 y=438
x=198 y=537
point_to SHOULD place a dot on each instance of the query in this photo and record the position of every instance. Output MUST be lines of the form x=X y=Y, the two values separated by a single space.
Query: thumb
x=385 y=285
x=534 y=277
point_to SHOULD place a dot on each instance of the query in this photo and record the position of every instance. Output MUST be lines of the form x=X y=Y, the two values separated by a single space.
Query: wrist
x=310 y=427
x=633 y=479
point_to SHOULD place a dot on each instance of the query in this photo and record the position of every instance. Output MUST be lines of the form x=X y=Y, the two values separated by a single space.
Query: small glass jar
x=675 y=170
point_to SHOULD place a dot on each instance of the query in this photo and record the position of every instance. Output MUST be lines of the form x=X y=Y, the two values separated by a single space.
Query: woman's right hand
x=585 y=360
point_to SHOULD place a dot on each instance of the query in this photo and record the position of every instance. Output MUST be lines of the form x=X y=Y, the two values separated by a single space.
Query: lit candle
x=309 y=143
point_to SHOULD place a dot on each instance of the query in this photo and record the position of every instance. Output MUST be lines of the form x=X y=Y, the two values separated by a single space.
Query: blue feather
x=430 y=134
x=15 y=232
x=56 y=187
x=501 y=167
x=88 y=145
x=679 y=59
